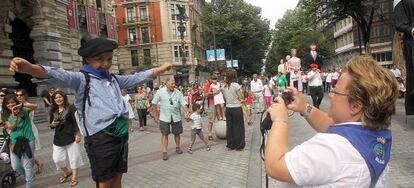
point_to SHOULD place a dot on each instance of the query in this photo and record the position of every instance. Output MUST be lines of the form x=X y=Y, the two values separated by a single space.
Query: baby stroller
x=7 y=176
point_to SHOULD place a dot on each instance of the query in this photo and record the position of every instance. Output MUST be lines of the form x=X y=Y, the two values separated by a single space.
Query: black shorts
x=104 y=156
x=167 y=128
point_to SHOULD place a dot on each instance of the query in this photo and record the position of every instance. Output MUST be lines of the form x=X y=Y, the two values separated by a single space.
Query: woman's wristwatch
x=308 y=111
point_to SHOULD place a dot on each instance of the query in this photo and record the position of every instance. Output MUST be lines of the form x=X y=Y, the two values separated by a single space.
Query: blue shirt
x=105 y=96
x=169 y=112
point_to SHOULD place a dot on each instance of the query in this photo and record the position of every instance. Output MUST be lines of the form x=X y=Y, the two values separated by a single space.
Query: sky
x=273 y=9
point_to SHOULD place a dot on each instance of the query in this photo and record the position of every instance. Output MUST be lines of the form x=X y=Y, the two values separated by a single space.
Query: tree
x=331 y=11
x=295 y=30
x=239 y=29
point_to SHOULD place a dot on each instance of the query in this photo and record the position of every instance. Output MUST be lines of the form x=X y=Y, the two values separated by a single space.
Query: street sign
x=210 y=55
x=221 y=56
x=229 y=64
x=236 y=63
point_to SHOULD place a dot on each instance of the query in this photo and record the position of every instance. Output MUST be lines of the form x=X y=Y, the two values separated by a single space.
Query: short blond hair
x=374 y=86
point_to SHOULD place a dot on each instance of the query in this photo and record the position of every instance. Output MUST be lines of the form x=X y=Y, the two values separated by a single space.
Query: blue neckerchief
x=99 y=73
x=374 y=146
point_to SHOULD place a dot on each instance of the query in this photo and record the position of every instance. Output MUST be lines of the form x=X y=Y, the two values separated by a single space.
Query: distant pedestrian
x=17 y=121
x=196 y=128
x=66 y=141
x=21 y=95
x=256 y=86
x=167 y=105
x=127 y=100
x=315 y=85
x=141 y=106
x=235 y=124
x=208 y=94
x=216 y=89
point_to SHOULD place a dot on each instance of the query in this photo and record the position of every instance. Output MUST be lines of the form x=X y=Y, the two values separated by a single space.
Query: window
x=388 y=56
x=143 y=13
x=130 y=14
x=132 y=36
x=145 y=35
x=175 y=21
x=134 y=57
x=147 y=56
x=177 y=53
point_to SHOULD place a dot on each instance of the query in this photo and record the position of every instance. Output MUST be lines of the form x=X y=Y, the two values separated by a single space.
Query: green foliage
x=331 y=11
x=240 y=30
x=295 y=30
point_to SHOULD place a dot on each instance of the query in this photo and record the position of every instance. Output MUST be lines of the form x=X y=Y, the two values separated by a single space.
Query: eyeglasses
x=171 y=102
x=2 y=95
x=333 y=91
x=19 y=94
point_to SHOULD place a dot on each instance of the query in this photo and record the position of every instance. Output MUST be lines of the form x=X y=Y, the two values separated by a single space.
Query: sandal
x=73 y=183
x=64 y=178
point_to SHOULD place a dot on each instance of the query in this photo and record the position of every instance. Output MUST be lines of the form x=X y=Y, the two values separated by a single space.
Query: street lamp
x=182 y=28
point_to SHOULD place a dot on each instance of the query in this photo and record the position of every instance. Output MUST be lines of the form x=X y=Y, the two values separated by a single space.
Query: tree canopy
x=331 y=11
x=239 y=30
x=295 y=30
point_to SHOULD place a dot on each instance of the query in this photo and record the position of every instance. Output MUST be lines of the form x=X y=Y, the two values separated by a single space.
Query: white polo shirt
x=329 y=160
x=256 y=86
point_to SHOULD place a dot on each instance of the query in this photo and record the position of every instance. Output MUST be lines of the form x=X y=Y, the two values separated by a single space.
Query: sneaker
x=164 y=156
x=208 y=148
x=178 y=150
x=141 y=128
x=190 y=151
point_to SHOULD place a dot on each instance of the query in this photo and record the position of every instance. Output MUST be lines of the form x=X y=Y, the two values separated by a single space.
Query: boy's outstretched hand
x=18 y=64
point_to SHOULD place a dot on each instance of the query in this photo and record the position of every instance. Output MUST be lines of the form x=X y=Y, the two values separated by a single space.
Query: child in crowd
x=249 y=104
x=196 y=128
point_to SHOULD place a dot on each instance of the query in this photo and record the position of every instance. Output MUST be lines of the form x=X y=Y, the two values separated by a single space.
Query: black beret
x=96 y=46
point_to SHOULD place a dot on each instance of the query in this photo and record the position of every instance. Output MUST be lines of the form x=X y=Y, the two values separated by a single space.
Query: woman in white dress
x=131 y=115
x=216 y=89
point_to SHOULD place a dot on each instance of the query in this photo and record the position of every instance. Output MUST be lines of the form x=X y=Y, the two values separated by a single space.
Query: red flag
x=91 y=21
x=71 y=14
x=110 y=26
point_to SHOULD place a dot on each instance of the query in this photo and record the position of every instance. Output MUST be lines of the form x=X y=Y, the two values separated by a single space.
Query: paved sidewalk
x=215 y=168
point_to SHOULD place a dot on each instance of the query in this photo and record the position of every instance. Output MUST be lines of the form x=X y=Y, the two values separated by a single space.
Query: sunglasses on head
x=19 y=94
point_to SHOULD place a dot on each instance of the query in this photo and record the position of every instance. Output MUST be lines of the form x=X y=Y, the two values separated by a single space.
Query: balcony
x=133 y=2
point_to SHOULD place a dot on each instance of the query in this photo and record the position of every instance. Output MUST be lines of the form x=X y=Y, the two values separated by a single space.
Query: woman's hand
x=298 y=104
x=278 y=111
x=54 y=124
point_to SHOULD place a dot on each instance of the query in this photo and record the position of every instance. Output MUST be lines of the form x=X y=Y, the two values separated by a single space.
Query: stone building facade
x=347 y=39
x=39 y=31
x=148 y=36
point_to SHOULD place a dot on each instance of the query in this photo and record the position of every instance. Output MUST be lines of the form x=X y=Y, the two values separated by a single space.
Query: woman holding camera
x=17 y=120
x=66 y=142
x=353 y=144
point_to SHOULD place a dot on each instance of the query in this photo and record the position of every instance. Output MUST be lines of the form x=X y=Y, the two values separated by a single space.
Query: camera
x=266 y=124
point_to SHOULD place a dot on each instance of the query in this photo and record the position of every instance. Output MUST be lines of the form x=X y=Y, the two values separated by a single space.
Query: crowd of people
x=103 y=111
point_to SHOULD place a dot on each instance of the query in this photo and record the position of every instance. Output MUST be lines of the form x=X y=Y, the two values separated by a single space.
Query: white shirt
x=294 y=76
x=196 y=118
x=329 y=160
x=335 y=75
x=267 y=91
x=256 y=86
x=314 y=78
x=329 y=77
